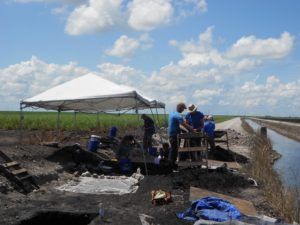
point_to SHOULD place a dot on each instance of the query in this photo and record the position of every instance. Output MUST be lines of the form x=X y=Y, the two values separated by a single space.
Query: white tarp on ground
x=108 y=185
x=91 y=93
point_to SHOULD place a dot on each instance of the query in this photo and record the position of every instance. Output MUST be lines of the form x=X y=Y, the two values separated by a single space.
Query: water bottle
x=101 y=211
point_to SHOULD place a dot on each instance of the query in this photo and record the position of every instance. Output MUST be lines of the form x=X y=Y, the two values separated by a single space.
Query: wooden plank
x=230 y=165
x=245 y=207
x=191 y=135
x=192 y=163
x=19 y=171
x=5 y=157
x=10 y=164
x=25 y=177
x=192 y=149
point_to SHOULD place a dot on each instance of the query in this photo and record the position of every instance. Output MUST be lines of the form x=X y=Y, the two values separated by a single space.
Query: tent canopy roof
x=91 y=93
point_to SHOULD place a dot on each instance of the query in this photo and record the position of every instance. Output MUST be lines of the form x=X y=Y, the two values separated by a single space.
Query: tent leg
x=58 y=124
x=156 y=126
x=98 y=122
x=157 y=117
x=21 y=127
x=75 y=120
x=165 y=115
x=143 y=150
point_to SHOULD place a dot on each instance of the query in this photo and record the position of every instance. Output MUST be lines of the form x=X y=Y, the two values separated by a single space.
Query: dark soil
x=52 y=168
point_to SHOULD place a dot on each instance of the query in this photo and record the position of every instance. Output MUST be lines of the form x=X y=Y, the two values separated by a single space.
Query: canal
x=288 y=166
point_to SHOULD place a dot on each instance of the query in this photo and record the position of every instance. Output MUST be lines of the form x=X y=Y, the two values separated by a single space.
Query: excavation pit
x=59 y=218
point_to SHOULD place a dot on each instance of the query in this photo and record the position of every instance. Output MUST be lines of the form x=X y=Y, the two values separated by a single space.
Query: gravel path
x=234 y=124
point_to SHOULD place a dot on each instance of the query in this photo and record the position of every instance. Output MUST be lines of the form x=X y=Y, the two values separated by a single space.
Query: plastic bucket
x=152 y=151
x=125 y=165
x=93 y=143
x=113 y=131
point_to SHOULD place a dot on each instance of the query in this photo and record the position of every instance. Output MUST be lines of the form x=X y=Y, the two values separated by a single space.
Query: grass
x=285 y=201
x=284 y=119
x=48 y=120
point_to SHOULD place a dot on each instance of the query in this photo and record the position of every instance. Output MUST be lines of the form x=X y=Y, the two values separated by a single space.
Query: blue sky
x=226 y=57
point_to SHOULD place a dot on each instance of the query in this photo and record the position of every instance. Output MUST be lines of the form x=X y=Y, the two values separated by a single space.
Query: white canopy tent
x=91 y=93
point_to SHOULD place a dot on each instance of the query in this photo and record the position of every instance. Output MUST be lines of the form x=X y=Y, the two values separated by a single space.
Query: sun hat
x=192 y=108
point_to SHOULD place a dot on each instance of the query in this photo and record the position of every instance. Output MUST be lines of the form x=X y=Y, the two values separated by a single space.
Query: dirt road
x=234 y=124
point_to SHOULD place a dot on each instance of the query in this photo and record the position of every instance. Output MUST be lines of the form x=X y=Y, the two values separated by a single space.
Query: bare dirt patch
x=17 y=208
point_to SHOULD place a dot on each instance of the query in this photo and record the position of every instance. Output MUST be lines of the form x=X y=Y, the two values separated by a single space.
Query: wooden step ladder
x=15 y=173
x=185 y=146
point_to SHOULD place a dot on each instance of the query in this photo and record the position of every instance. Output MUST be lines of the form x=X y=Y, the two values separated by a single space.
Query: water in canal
x=288 y=166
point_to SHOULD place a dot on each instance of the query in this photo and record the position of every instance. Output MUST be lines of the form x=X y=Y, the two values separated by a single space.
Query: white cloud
x=75 y=2
x=171 y=84
x=146 y=15
x=123 y=47
x=96 y=16
x=122 y=74
x=244 y=55
x=27 y=1
x=203 y=93
x=205 y=96
x=31 y=77
x=146 y=40
x=271 y=80
x=272 y=97
x=202 y=45
x=60 y=10
x=270 y=48
x=190 y=7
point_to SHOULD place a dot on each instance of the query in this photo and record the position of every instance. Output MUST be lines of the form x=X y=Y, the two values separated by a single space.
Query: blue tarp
x=210 y=208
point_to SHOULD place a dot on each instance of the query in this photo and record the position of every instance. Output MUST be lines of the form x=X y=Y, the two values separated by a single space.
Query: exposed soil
x=51 y=169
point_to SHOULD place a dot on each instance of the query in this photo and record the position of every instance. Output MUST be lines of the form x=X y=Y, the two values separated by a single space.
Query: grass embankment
x=285 y=119
x=288 y=130
x=82 y=121
x=285 y=201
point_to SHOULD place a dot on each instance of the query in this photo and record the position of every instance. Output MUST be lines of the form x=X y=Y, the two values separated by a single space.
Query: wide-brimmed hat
x=192 y=108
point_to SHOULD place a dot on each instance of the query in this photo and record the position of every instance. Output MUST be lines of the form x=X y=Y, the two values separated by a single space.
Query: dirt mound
x=222 y=154
x=218 y=181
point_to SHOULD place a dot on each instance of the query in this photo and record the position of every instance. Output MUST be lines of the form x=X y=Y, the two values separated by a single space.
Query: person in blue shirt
x=174 y=122
x=209 y=129
x=194 y=118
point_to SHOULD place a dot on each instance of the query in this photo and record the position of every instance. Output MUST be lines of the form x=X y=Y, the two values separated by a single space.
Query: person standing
x=195 y=118
x=209 y=129
x=149 y=130
x=174 y=121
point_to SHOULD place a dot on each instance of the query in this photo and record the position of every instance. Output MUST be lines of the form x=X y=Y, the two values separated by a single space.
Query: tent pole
x=165 y=115
x=75 y=120
x=98 y=121
x=157 y=127
x=157 y=115
x=21 y=126
x=58 y=122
